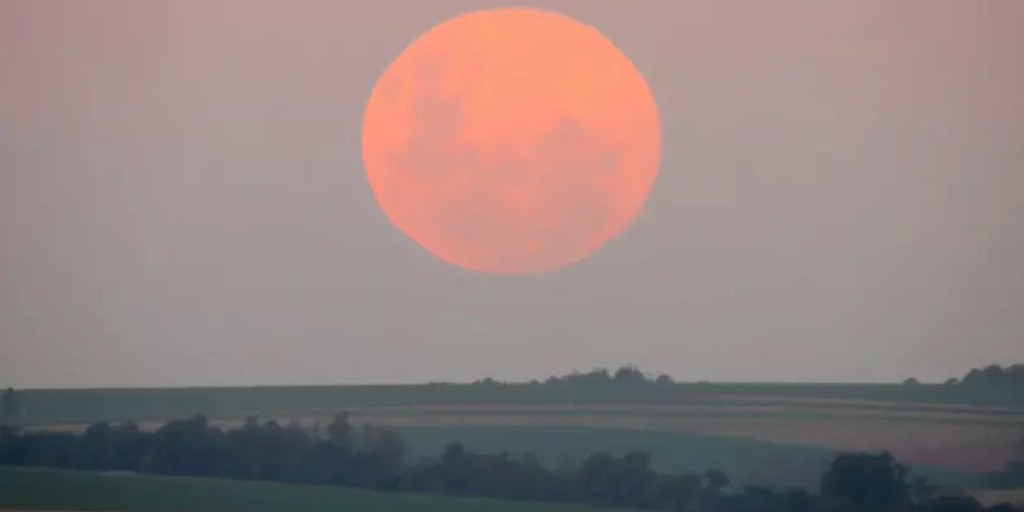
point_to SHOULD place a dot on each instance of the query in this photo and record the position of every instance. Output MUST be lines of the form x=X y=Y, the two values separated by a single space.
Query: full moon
x=511 y=141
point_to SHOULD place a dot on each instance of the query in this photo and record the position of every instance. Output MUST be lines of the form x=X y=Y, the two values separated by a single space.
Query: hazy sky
x=182 y=199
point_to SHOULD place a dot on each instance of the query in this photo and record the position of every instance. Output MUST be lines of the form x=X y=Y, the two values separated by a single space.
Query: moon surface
x=511 y=141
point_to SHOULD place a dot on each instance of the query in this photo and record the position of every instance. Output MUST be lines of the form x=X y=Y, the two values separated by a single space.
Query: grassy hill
x=63 y=490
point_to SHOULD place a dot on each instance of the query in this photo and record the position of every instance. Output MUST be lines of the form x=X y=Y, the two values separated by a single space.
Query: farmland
x=70 y=406
x=63 y=490
x=769 y=433
x=748 y=461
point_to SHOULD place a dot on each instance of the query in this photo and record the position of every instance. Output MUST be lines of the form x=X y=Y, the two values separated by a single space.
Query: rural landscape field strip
x=64 y=490
x=853 y=403
x=944 y=435
x=944 y=445
x=725 y=409
x=789 y=403
x=47 y=407
x=953 y=440
x=747 y=461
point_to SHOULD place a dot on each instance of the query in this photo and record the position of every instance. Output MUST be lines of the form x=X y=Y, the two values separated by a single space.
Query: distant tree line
x=599 y=376
x=992 y=377
x=375 y=458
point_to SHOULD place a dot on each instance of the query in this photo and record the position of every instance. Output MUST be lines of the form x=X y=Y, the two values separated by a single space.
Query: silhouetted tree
x=664 y=379
x=455 y=473
x=629 y=375
x=869 y=481
x=378 y=462
x=96 y=448
x=716 y=479
x=339 y=432
x=994 y=376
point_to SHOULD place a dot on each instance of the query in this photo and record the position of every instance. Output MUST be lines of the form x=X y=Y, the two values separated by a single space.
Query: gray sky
x=182 y=200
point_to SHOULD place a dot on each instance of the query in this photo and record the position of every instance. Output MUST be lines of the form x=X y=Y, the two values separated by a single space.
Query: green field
x=62 y=490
